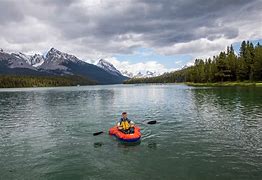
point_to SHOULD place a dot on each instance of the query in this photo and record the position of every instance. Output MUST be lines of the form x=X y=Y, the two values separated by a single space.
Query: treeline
x=227 y=66
x=13 y=81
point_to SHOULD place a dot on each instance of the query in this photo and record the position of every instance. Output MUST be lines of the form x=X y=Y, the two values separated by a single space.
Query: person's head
x=124 y=115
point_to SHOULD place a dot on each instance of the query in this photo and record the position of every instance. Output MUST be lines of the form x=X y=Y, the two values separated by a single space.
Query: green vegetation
x=226 y=69
x=11 y=81
x=224 y=84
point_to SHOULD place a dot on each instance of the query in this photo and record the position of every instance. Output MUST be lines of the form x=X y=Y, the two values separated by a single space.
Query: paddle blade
x=97 y=133
x=152 y=122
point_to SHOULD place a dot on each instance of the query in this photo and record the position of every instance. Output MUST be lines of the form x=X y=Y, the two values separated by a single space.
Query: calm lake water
x=202 y=133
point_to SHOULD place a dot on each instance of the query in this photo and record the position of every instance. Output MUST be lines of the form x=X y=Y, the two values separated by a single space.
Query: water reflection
x=98 y=144
x=48 y=133
x=128 y=144
x=230 y=116
x=152 y=145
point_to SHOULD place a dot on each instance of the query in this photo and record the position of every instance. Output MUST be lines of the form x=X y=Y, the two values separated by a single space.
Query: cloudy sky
x=132 y=34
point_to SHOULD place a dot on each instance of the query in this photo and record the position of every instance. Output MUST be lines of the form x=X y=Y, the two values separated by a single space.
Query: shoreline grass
x=225 y=84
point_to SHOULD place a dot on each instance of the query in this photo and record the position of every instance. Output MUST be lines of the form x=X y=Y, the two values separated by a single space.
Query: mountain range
x=111 y=69
x=57 y=63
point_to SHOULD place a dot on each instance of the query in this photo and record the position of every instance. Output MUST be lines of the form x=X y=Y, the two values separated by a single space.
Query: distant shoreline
x=225 y=84
x=215 y=84
x=67 y=81
x=16 y=81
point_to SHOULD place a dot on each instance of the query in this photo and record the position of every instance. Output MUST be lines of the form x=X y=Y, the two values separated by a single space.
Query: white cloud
x=201 y=48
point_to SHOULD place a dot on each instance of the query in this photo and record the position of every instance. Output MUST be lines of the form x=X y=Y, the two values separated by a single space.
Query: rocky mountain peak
x=108 y=67
x=53 y=52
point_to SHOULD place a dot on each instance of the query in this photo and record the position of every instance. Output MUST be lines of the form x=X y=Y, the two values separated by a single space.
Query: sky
x=134 y=35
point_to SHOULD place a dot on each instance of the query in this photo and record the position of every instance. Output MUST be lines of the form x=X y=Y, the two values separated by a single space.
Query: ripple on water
x=200 y=133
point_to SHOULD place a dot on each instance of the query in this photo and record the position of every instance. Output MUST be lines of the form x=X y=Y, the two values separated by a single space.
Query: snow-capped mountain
x=146 y=74
x=22 y=56
x=127 y=74
x=63 y=63
x=11 y=64
x=151 y=74
x=35 y=60
x=140 y=74
x=55 y=60
x=108 y=67
x=15 y=60
x=57 y=63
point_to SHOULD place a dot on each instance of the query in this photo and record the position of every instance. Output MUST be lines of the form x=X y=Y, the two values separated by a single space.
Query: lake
x=202 y=133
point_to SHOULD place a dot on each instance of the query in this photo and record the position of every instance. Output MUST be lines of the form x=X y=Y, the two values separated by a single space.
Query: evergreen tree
x=258 y=63
x=227 y=66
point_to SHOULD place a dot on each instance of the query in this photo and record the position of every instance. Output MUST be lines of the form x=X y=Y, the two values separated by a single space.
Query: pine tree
x=222 y=66
x=258 y=63
x=242 y=50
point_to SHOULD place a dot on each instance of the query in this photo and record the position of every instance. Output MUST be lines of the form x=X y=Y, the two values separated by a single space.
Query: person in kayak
x=125 y=125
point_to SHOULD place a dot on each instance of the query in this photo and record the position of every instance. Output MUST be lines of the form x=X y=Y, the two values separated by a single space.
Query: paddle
x=97 y=133
x=101 y=132
x=151 y=122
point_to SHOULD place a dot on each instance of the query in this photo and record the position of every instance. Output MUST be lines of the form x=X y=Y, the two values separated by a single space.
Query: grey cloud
x=58 y=3
x=9 y=12
x=113 y=26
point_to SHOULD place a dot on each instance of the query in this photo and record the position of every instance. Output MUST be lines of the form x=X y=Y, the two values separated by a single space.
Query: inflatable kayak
x=126 y=137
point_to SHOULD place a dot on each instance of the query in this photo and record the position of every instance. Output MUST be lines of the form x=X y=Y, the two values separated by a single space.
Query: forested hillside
x=8 y=81
x=227 y=66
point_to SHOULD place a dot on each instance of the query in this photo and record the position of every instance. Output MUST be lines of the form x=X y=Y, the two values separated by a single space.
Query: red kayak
x=126 y=137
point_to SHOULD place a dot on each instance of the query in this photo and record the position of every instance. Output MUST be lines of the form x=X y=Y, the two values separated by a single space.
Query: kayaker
x=125 y=125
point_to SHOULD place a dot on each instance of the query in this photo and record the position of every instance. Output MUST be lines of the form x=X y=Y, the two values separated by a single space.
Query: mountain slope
x=14 y=61
x=35 y=60
x=62 y=63
x=93 y=72
x=57 y=63
x=11 y=64
x=108 y=67
x=54 y=60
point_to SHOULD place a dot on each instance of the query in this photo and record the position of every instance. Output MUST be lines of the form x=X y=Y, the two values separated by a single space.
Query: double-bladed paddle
x=97 y=133
x=151 y=122
x=101 y=132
